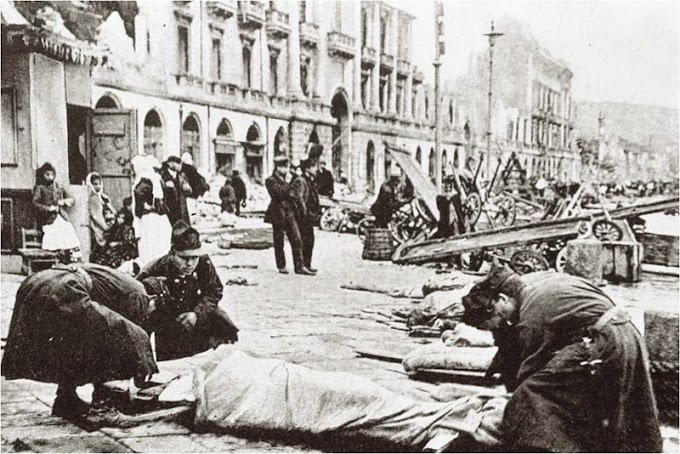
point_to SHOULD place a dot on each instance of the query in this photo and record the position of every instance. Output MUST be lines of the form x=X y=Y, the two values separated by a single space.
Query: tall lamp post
x=493 y=35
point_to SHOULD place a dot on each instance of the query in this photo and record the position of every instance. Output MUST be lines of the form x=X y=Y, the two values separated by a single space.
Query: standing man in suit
x=239 y=190
x=310 y=212
x=175 y=190
x=281 y=215
x=324 y=181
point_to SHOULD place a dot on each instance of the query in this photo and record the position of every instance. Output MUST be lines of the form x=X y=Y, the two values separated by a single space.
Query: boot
x=68 y=404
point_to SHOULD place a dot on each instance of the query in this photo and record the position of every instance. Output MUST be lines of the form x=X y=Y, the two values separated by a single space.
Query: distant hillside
x=632 y=122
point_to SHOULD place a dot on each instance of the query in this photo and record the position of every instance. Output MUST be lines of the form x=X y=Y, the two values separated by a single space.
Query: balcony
x=341 y=45
x=309 y=34
x=369 y=57
x=387 y=61
x=188 y=80
x=251 y=14
x=222 y=9
x=403 y=67
x=278 y=24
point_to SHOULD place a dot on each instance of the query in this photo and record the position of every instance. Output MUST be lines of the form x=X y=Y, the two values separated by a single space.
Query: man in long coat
x=73 y=325
x=576 y=364
x=190 y=321
x=310 y=210
x=240 y=191
x=281 y=215
x=175 y=190
x=389 y=199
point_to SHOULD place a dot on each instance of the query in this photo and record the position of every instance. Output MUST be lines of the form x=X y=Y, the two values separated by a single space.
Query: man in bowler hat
x=190 y=321
x=281 y=215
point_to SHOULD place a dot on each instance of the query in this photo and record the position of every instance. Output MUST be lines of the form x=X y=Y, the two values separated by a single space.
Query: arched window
x=107 y=102
x=451 y=113
x=254 y=153
x=191 y=138
x=445 y=162
x=153 y=134
x=247 y=74
x=225 y=148
x=431 y=168
x=280 y=144
x=370 y=167
x=419 y=155
x=456 y=158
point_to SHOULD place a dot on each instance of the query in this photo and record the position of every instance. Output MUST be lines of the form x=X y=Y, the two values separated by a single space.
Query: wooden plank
x=380 y=355
x=421 y=182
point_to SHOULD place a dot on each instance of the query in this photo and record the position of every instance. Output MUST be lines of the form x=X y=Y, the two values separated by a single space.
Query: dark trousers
x=307 y=236
x=238 y=207
x=290 y=228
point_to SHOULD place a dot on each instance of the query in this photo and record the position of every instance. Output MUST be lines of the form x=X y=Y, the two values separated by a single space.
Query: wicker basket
x=378 y=245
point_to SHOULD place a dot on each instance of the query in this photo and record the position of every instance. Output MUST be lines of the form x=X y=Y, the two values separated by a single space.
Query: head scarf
x=88 y=182
x=144 y=168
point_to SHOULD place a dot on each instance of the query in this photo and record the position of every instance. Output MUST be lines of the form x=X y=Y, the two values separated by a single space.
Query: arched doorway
x=431 y=166
x=341 y=131
x=370 y=167
x=191 y=138
x=107 y=101
x=281 y=144
x=225 y=148
x=254 y=153
x=153 y=134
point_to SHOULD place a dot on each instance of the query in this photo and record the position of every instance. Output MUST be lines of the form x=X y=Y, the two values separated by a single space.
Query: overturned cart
x=528 y=247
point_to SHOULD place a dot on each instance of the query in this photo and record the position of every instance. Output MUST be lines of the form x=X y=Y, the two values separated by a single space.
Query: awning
x=33 y=39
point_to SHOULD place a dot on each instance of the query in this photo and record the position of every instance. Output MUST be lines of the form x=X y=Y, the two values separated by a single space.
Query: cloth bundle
x=441 y=356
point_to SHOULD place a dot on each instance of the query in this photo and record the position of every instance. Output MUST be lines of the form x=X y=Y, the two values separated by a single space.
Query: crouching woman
x=74 y=325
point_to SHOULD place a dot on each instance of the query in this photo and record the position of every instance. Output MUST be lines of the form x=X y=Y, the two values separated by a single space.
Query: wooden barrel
x=378 y=245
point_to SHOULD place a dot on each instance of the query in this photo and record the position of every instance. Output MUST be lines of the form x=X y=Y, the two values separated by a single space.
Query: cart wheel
x=584 y=229
x=527 y=261
x=472 y=261
x=331 y=219
x=507 y=211
x=363 y=226
x=473 y=207
x=561 y=260
x=607 y=231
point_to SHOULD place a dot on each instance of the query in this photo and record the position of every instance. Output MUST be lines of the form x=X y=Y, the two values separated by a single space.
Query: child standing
x=121 y=244
x=50 y=201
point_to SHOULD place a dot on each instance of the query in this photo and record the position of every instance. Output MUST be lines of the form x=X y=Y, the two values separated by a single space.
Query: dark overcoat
x=282 y=206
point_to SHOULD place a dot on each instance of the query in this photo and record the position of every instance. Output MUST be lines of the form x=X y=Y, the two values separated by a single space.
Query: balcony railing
x=387 y=61
x=188 y=80
x=403 y=67
x=309 y=34
x=251 y=14
x=369 y=57
x=341 y=45
x=278 y=24
x=222 y=9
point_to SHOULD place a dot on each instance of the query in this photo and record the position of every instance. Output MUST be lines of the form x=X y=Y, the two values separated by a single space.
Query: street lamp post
x=493 y=35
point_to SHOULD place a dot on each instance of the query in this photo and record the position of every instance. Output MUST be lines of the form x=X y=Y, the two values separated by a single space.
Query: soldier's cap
x=186 y=241
x=156 y=286
x=280 y=161
x=478 y=303
x=174 y=159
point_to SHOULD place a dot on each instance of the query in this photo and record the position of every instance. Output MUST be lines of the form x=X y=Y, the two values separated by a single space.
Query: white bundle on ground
x=467 y=336
x=441 y=356
x=234 y=390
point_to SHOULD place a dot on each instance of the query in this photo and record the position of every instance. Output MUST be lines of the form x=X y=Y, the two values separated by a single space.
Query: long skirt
x=154 y=232
x=59 y=235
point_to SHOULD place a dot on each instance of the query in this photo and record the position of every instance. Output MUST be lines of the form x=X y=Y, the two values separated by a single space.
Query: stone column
x=294 y=88
x=408 y=96
x=356 y=19
x=375 y=72
x=394 y=23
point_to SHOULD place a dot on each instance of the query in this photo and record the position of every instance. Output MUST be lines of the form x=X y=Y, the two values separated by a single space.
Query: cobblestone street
x=304 y=320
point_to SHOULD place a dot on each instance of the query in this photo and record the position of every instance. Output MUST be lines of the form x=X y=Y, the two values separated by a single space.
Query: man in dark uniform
x=175 y=190
x=281 y=215
x=310 y=210
x=79 y=324
x=389 y=199
x=239 y=190
x=190 y=321
x=576 y=365
x=451 y=215
x=324 y=181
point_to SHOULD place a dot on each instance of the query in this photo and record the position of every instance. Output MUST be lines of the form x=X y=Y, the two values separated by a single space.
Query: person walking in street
x=176 y=189
x=576 y=365
x=78 y=324
x=310 y=211
x=197 y=182
x=101 y=215
x=239 y=190
x=151 y=224
x=191 y=321
x=228 y=197
x=389 y=199
x=50 y=200
x=324 y=181
x=281 y=215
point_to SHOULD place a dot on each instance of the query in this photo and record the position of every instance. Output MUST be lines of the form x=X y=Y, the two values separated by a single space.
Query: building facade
x=532 y=113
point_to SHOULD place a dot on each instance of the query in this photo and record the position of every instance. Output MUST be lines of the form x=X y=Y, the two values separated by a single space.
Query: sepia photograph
x=340 y=226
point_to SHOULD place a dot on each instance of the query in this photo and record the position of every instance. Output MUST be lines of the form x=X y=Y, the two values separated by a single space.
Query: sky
x=619 y=51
